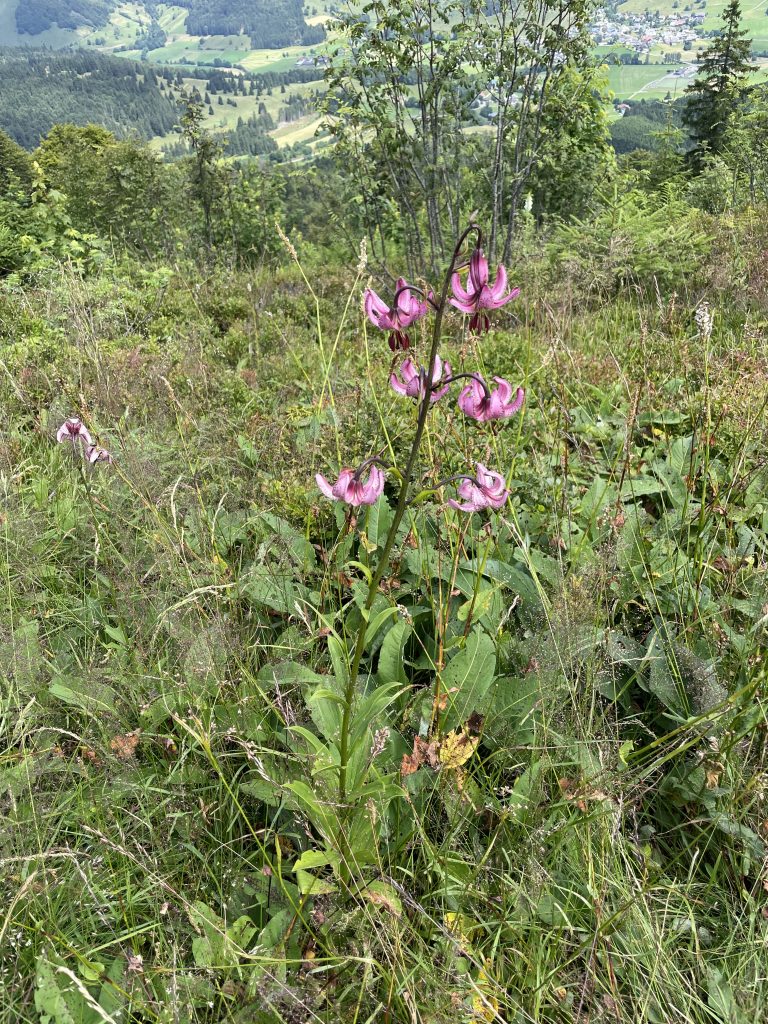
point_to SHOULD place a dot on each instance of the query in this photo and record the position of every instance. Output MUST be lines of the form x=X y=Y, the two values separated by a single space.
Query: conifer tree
x=720 y=84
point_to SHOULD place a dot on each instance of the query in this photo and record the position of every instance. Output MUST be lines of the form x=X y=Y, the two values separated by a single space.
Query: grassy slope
x=137 y=725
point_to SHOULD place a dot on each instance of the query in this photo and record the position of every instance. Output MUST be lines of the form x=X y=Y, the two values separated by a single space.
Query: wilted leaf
x=457 y=748
x=124 y=747
x=423 y=752
x=383 y=895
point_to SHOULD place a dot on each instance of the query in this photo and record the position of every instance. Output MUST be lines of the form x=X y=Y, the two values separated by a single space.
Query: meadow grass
x=170 y=625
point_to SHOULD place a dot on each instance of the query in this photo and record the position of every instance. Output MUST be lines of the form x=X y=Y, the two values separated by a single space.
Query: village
x=648 y=30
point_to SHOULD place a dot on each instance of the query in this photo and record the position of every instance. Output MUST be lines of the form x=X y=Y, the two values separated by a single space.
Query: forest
x=39 y=89
x=270 y=23
x=384 y=535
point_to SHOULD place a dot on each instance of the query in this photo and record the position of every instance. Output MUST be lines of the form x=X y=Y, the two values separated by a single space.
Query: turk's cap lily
x=406 y=309
x=351 y=488
x=412 y=380
x=480 y=296
x=483 y=404
x=95 y=453
x=73 y=430
x=487 y=490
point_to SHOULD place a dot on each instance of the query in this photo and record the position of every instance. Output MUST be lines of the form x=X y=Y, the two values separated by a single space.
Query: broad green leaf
x=392 y=652
x=312 y=859
x=381 y=894
x=310 y=885
x=83 y=693
x=378 y=522
x=285 y=673
x=470 y=673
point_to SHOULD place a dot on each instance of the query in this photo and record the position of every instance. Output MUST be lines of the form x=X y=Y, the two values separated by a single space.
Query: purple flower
x=95 y=453
x=412 y=381
x=74 y=431
x=479 y=295
x=482 y=404
x=407 y=309
x=350 y=487
x=488 y=490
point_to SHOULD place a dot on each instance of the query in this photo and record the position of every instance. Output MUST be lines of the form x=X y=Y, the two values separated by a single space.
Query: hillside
x=384 y=548
x=40 y=89
x=268 y=23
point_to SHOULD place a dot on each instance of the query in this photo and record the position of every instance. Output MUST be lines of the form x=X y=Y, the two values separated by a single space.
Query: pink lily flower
x=482 y=404
x=412 y=381
x=95 y=453
x=406 y=310
x=488 y=490
x=74 y=431
x=479 y=295
x=350 y=488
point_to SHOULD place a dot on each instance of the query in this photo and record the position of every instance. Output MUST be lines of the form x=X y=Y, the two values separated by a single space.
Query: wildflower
x=704 y=321
x=74 y=431
x=380 y=741
x=406 y=309
x=487 y=490
x=479 y=295
x=95 y=453
x=350 y=488
x=480 y=403
x=412 y=381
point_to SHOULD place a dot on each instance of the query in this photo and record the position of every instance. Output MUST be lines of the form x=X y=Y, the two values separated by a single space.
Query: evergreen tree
x=721 y=82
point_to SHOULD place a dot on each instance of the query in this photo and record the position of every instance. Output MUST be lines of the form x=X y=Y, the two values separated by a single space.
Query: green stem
x=402 y=503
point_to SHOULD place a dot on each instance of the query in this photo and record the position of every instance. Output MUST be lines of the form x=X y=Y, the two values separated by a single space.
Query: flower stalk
x=381 y=567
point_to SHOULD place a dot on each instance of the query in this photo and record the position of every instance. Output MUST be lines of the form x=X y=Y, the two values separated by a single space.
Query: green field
x=647 y=81
x=657 y=81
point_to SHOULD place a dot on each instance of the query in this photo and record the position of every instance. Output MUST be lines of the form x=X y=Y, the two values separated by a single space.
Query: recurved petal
x=405 y=300
x=461 y=297
x=478 y=270
x=324 y=486
x=375 y=307
x=487 y=478
x=344 y=486
x=369 y=492
x=397 y=385
x=467 y=506
x=500 y=284
x=516 y=404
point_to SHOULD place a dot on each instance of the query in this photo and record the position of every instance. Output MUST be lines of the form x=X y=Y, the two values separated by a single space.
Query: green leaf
x=272 y=936
x=513 y=577
x=470 y=673
x=288 y=539
x=287 y=673
x=83 y=693
x=325 y=704
x=381 y=894
x=60 y=998
x=391 y=655
x=312 y=859
x=218 y=945
x=378 y=522
x=275 y=588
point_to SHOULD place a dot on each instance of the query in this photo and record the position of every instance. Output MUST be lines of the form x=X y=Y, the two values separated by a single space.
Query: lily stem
x=381 y=567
